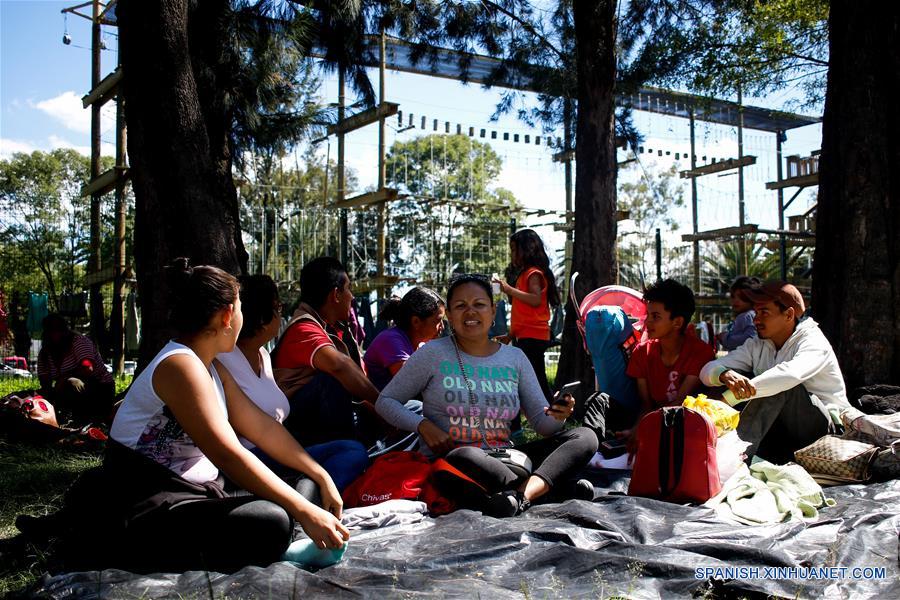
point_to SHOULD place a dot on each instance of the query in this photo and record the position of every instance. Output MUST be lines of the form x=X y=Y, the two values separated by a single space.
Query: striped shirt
x=82 y=349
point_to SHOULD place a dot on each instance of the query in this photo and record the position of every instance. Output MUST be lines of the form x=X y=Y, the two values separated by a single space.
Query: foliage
x=648 y=201
x=453 y=217
x=285 y=214
x=714 y=47
x=45 y=235
x=721 y=267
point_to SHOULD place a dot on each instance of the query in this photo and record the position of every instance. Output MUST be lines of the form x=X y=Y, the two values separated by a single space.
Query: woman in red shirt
x=531 y=297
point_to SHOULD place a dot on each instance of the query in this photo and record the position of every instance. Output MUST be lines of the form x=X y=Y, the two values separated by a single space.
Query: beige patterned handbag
x=832 y=460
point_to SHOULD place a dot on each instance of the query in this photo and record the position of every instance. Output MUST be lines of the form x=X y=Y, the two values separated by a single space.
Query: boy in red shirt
x=667 y=366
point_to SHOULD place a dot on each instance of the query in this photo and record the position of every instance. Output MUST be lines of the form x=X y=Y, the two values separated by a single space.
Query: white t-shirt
x=145 y=424
x=261 y=389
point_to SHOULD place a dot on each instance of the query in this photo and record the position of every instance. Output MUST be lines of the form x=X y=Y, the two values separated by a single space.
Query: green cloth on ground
x=768 y=493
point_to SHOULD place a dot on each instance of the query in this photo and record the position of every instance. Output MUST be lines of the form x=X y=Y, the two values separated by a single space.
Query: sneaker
x=506 y=504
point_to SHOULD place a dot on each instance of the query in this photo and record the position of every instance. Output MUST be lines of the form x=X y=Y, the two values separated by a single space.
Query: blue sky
x=42 y=81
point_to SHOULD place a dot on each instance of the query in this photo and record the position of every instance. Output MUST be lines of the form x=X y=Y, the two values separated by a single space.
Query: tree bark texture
x=177 y=73
x=594 y=252
x=856 y=279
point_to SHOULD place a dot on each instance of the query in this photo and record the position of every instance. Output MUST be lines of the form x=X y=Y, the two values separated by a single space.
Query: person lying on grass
x=471 y=388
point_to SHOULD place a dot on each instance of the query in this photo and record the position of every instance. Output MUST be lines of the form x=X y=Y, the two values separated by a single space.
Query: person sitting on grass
x=417 y=318
x=72 y=373
x=177 y=491
x=787 y=382
x=471 y=388
x=742 y=328
x=317 y=362
x=251 y=367
x=666 y=367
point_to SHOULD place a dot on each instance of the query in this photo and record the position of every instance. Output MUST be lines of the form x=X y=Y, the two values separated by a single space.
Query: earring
x=228 y=330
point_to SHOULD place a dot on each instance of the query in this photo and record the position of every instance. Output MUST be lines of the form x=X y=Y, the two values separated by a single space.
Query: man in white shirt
x=795 y=392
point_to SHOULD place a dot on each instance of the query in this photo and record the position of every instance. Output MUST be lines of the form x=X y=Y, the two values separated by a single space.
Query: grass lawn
x=33 y=479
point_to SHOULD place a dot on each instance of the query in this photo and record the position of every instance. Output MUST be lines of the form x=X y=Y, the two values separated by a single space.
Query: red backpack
x=676 y=457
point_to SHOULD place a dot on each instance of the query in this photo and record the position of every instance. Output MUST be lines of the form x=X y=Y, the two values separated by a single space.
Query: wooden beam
x=718 y=167
x=105 y=182
x=379 y=282
x=105 y=91
x=564 y=156
x=382 y=195
x=569 y=224
x=801 y=182
x=366 y=117
x=100 y=277
x=718 y=234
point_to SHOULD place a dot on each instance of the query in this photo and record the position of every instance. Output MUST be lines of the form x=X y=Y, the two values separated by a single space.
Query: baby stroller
x=611 y=322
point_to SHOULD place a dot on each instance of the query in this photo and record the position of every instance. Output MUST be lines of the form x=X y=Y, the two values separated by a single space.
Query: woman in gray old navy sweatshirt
x=471 y=388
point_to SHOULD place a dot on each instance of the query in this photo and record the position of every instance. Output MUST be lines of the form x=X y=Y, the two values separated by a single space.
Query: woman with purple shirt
x=417 y=318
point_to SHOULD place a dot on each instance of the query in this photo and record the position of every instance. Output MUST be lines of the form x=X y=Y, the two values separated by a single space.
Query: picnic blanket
x=616 y=545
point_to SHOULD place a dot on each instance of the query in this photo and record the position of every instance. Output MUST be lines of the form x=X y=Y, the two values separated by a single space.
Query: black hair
x=476 y=278
x=54 y=322
x=677 y=298
x=318 y=278
x=418 y=302
x=196 y=294
x=744 y=282
x=531 y=251
x=259 y=301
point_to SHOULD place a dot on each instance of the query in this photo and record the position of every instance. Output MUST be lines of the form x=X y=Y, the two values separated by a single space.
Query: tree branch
x=528 y=27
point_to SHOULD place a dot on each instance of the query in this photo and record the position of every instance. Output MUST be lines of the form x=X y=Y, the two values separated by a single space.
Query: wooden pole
x=742 y=244
x=345 y=250
x=117 y=318
x=782 y=244
x=97 y=315
x=382 y=176
x=694 y=209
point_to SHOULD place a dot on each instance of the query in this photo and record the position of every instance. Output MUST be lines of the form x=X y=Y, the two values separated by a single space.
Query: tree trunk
x=594 y=252
x=856 y=280
x=177 y=70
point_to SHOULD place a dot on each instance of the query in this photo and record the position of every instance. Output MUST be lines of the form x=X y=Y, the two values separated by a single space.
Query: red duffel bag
x=401 y=475
x=676 y=457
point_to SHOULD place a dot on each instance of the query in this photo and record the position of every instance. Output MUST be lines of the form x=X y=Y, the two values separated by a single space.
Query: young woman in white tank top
x=186 y=412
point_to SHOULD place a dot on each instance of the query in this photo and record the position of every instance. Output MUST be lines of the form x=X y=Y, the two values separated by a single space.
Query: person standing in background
x=533 y=293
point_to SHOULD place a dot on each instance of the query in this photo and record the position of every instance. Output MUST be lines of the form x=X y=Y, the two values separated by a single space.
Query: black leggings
x=218 y=534
x=557 y=458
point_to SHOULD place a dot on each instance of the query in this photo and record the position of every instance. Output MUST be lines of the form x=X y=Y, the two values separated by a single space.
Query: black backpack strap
x=678 y=445
x=664 y=452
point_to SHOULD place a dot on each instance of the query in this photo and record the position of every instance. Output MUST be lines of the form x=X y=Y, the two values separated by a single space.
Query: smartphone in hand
x=569 y=388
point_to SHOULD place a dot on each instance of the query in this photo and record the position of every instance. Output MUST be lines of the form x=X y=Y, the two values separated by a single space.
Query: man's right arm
x=739 y=359
x=329 y=359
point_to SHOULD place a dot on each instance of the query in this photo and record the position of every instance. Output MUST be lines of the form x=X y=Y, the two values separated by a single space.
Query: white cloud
x=66 y=108
x=57 y=142
x=9 y=147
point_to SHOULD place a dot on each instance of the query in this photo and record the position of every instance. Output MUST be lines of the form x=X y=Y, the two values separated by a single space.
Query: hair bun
x=178 y=273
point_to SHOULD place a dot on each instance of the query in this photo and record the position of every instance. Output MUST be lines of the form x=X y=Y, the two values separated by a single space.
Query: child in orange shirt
x=533 y=294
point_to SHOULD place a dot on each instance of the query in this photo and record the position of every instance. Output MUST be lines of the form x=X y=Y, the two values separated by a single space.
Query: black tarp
x=616 y=545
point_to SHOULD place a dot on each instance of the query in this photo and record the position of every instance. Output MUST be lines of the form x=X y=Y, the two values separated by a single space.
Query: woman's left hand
x=560 y=411
x=331 y=498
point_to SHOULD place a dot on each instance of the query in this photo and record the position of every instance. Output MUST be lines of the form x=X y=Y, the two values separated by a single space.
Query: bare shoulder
x=179 y=373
